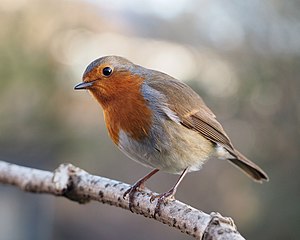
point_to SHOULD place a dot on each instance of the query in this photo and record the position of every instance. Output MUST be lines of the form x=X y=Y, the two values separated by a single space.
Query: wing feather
x=194 y=114
x=191 y=109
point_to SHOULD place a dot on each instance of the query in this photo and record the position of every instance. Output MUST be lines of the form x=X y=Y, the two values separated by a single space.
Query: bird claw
x=130 y=192
x=162 y=198
x=126 y=192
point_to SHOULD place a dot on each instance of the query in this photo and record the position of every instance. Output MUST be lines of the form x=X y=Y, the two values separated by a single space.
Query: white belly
x=172 y=149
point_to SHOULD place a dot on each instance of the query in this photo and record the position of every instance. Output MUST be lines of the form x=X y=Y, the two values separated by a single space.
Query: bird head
x=111 y=77
x=116 y=84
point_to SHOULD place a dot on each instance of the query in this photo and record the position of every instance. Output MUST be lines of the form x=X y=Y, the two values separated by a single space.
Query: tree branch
x=77 y=185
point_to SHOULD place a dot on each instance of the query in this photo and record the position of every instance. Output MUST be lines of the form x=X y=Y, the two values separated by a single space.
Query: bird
x=160 y=122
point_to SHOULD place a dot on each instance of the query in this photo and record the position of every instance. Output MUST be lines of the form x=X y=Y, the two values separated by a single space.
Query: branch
x=77 y=185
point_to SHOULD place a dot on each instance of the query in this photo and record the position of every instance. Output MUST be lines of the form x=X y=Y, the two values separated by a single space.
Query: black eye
x=107 y=71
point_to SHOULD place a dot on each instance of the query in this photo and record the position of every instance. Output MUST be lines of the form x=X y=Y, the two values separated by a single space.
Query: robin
x=159 y=122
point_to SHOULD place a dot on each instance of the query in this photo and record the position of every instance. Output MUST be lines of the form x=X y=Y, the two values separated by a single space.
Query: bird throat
x=127 y=110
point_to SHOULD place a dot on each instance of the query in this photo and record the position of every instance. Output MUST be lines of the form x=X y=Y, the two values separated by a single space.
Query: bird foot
x=162 y=198
x=139 y=185
x=131 y=191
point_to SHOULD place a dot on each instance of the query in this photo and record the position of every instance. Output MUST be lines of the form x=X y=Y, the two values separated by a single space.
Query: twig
x=78 y=185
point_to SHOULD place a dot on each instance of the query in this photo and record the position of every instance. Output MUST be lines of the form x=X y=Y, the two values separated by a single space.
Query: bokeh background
x=243 y=57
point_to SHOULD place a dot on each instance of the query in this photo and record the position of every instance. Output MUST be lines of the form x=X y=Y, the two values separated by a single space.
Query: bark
x=80 y=186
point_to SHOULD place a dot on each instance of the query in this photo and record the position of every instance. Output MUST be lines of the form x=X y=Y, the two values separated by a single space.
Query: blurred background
x=242 y=57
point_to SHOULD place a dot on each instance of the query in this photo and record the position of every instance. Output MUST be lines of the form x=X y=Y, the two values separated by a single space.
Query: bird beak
x=84 y=85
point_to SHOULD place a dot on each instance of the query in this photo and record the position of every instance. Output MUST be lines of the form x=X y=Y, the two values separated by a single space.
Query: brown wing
x=191 y=109
x=209 y=127
x=194 y=114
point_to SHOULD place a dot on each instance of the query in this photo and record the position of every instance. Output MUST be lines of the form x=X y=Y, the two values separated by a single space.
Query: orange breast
x=125 y=108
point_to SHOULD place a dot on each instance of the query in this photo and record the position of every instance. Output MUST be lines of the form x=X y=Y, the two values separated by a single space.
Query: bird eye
x=107 y=71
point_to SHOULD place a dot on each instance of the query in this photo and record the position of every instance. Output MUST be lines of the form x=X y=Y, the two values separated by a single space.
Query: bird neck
x=126 y=110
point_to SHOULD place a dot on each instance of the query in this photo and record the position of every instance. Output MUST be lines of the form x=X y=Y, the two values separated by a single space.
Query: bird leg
x=140 y=184
x=169 y=195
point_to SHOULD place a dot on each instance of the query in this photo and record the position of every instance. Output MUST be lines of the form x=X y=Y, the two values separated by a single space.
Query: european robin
x=159 y=122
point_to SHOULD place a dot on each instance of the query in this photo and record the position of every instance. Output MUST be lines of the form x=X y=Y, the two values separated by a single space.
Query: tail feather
x=250 y=168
